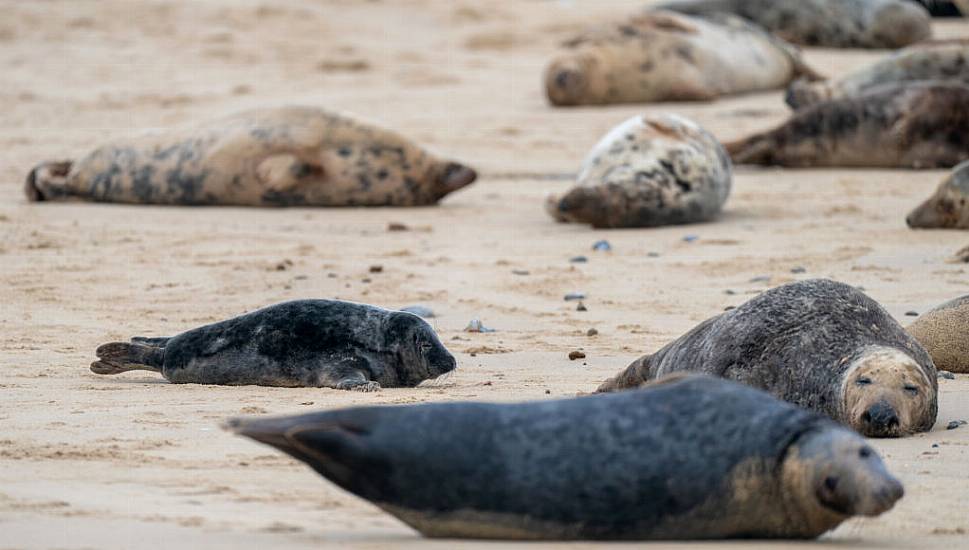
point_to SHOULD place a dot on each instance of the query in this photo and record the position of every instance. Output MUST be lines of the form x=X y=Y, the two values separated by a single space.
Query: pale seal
x=694 y=458
x=311 y=343
x=819 y=344
x=289 y=156
x=948 y=208
x=665 y=56
x=649 y=171
x=943 y=60
x=944 y=333
x=828 y=23
x=907 y=125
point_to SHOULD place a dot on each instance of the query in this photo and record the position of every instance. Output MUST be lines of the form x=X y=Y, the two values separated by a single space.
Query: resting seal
x=666 y=56
x=649 y=171
x=948 y=208
x=905 y=125
x=944 y=333
x=699 y=458
x=290 y=156
x=946 y=8
x=311 y=343
x=944 y=60
x=828 y=23
x=819 y=344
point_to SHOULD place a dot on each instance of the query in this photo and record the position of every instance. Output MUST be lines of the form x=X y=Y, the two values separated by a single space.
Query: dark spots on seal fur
x=141 y=183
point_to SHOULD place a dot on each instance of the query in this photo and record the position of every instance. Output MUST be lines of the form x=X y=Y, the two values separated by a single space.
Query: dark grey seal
x=312 y=343
x=948 y=208
x=694 y=458
x=820 y=344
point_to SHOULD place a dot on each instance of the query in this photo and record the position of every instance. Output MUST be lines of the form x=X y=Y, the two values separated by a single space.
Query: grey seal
x=944 y=333
x=948 y=208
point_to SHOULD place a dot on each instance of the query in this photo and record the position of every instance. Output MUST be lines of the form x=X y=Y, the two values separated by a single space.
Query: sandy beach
x=132 y=461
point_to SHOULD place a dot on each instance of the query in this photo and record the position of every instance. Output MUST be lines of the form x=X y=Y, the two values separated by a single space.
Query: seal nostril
x=563 y=78
x=830 y=483
x=866 y=417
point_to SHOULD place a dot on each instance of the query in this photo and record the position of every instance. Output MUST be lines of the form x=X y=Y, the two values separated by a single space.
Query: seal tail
x=636 y=374
x=118 y=357
x=47 y=181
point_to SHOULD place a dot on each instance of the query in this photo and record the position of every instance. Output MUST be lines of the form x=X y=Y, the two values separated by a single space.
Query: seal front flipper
x=348 y=373
x=118 y=357
x=286 y=171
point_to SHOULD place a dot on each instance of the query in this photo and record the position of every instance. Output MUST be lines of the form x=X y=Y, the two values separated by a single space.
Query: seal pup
x=904 y=125
x=665 y=56
x=819 y=344
x=944 y=333
x=687 y=458
x=303 y=343
x=289 y=156
x=828 y=23
x=948 y=208
x=648 y=171
x=943 y=60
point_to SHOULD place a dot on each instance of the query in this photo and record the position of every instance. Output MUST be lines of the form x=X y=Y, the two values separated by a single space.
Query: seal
x=290 y=156
x=944 y=333
x=827 y=23
x=942 y=60
x=945 y=8
x=819 y=344
x=693 y=458
x=303 y=343
x=665 y=56
x=907 y=125
x=948 y=208
x=649 y=171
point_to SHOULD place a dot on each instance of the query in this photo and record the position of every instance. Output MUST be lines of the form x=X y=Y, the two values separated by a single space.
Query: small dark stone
x=397 y=226
x=761 y=279
x=653 y=254
x=331 y=275
x=376 y=269
x=573 y=355
x=955 y=424
x=548 y=392
x=602 y=246
x=912 y=314
x=519 y=271
x=729 y=292
x=591 y=332
x=581 y=307
x=366 y=280
x=578 y=259
x=798 y=269
x=946 y=374
x=728 y=308
x=572 y=296
x=300 y=278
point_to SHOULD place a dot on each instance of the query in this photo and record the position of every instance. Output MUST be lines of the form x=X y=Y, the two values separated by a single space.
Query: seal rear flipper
x=756 y=149
x=118 y=357
x=47 y=181
x=633 y=376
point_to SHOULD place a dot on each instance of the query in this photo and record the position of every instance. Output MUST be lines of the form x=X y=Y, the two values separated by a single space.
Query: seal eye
x=424 y=346
x=863 y=381
x=911 y=389
x=864 y=452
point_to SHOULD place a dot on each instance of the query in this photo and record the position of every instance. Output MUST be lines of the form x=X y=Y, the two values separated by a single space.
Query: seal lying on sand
x=648 y=171
x=945 y=8
x=291 y=156
x=312 y=343
x=944 y=60
x=944 y=333
x=694 y=458
x=906 y=125
x=818 y=344
x=948 y=208
x=666 y=56
x=829 y=23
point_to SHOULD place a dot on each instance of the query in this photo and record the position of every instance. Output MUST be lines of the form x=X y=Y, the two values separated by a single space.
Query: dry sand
x=131 y=461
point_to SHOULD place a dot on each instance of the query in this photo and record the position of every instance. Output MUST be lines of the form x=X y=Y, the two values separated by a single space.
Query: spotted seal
x=948 y=208
x=687 y=458
x=942 y=60
x=664 y=56
x=311 y=343
x=650 y=170
x=906 y=125
x=289 y=156
x=828 y=23
x=944 y=333
x=819 y=344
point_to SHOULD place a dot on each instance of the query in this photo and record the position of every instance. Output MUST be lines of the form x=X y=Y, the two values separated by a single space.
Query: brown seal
x=944 y=333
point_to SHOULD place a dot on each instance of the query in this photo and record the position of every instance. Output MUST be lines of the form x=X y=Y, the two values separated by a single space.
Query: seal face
x=943 y=60
x=693 y=458
x=819 y=344
x=664 y=56
x=290 y=156
x=649 y=171
x=828 y=23
x=948 y=208
x=944 y=333
x=312 y=343
x=922 y=124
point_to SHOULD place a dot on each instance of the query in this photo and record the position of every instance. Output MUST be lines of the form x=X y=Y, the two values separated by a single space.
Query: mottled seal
x=312 y=343
x=649 y=171
x=906 y=125
x=693 y=458
x=944 y=333
x=944 y=60
x=948 y=208
x=290 y=156
x=830 y=23
x=665 y=56
x=819 y=344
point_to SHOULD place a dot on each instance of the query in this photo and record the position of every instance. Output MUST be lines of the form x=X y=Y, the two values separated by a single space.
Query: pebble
x=572 y=296
x=397 y=226
x=911 y=314
x=728 y=308
x=376 y=268
x=946 y=374
x=761 y=279
x=653 y=254
x=602 y=246
x=519 y=271
x=578 y=259
x=690 y=238
x=581 y=307
x=477 y=326
x=591 y=332
x=573 y=355
x=729 y=292
x=955 y=424
x=420 y=311
x=798 y=269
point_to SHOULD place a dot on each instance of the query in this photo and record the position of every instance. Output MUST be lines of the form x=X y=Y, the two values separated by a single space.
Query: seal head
x=418 y=347
x=948 y=208
x=887 y=394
